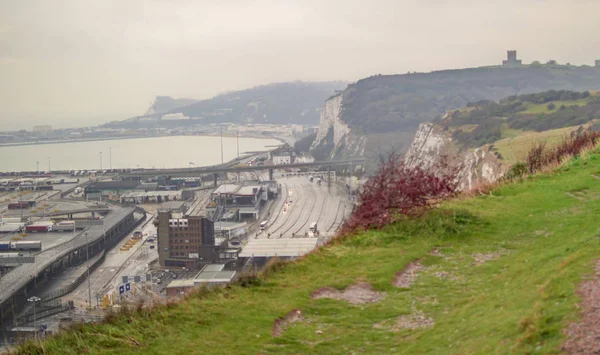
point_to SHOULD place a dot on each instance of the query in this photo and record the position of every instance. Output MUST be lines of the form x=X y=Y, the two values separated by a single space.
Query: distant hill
x=401 y=102
x=395 y=105
x=280 y=103
x=164 y=104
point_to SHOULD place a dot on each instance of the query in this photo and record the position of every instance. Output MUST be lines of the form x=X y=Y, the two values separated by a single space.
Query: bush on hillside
x=541 y=156
x=398 y=189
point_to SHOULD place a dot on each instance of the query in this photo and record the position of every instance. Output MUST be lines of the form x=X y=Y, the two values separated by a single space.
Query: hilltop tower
x=511 y=59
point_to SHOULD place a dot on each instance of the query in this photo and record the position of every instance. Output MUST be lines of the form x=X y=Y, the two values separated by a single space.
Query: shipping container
x=4 y=246
x=11 y=228
x=10 y=219
x=18 y=205
x=70 y=181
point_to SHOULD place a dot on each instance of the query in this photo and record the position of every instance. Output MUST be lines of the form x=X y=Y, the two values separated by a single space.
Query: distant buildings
x=42 y=129
x=511 y=59
x=282 y=159
x=597 y=63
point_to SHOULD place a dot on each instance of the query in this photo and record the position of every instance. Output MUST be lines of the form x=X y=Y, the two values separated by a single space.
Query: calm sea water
x=155 y=152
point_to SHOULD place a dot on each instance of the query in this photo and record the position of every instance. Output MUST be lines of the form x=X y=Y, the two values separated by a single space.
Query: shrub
x=540 y=156
x=399 y=189
x=551 y=106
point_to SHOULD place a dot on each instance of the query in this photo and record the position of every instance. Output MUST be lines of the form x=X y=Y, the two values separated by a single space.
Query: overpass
x=24 y=280
x=226 y=168
x=70 y=213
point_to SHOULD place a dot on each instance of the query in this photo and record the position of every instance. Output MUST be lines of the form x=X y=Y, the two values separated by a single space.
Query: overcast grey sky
x=78 y=62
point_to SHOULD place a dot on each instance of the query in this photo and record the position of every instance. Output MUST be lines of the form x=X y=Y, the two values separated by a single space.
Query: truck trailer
x=34 y=228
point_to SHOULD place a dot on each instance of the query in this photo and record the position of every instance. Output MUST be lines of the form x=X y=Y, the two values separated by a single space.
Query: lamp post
x=87 y=257
x=100 y=161
x=110 y=158
x=34 y=299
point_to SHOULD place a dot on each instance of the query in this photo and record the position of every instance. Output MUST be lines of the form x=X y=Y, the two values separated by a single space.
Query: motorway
x=303 y=202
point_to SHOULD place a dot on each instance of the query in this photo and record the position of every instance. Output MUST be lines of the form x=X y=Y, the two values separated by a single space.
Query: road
x=303 y=202
x=107 y=277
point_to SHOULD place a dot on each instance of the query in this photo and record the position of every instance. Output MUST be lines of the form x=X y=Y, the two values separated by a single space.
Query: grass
x=533 y=108
x=515 y=147
x=519 y=303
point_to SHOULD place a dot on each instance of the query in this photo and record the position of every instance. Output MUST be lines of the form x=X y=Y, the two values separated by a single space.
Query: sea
x=152 y=152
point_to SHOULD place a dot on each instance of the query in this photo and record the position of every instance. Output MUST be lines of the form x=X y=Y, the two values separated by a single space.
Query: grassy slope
x=517 y=303
x=515 y=146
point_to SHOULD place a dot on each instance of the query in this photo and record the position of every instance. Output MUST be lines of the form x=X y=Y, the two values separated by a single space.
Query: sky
x=71 y=63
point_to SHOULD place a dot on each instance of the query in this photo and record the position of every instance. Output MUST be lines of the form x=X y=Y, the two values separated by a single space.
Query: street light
x=100 y=161
x=34 y=299
x=87 y=257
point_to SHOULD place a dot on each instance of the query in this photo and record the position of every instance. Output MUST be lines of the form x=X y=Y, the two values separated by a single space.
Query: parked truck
x=21 y=245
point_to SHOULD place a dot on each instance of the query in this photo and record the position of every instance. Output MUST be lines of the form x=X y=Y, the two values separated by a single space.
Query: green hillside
x=492 y=274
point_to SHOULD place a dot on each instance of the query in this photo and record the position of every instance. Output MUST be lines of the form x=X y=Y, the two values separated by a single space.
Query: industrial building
x=237 y=202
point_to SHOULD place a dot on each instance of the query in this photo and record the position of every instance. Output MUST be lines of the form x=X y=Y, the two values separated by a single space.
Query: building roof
x=213 y=267
x=181 y=283
x=278 y=247
x=214 y=276
x=227 y=188
x=248 y=190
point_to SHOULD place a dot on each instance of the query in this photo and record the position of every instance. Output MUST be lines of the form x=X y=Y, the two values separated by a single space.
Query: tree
x=551 y=106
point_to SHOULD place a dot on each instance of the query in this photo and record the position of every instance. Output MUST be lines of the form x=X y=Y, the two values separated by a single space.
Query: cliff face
x=432 y=145
x=334 y=137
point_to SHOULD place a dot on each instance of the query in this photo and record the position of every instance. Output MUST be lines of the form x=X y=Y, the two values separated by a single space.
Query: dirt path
x=582 y=336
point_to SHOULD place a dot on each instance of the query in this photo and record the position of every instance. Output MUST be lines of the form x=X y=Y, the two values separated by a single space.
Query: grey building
x=511 y=59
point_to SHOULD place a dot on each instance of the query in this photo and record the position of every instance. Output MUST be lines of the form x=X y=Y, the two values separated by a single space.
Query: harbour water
x=153 y=152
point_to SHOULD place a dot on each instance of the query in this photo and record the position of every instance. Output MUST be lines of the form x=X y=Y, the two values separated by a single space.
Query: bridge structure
x=25 y=280
x=227 y=168
x=70 y=213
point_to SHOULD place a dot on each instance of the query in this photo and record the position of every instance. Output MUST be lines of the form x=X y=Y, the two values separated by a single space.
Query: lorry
x=263 y=225
x=310 y=178
x=21 y=245
x=313 y=228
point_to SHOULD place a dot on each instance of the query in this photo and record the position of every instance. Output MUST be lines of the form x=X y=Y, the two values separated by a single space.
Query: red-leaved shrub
x=541 y=156
x=400 y=189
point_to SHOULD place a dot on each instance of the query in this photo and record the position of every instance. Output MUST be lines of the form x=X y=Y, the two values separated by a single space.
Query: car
x=158 y=281
x=152 y=247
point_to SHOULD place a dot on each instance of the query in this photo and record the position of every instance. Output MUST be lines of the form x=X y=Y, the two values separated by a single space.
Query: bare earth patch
x=582 y=337
x=281 y=324
x=415 y=320
x=436 y=252
x=356 y=294
x=483 y=258
x=406 y=277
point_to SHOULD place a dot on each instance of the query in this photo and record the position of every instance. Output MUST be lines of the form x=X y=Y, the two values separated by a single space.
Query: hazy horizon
x=79 y=63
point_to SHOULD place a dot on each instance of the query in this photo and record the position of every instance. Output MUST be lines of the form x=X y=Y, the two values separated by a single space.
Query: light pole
x=34 y=299
x=110 y=158
x=87 y=257
x=100 y=161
